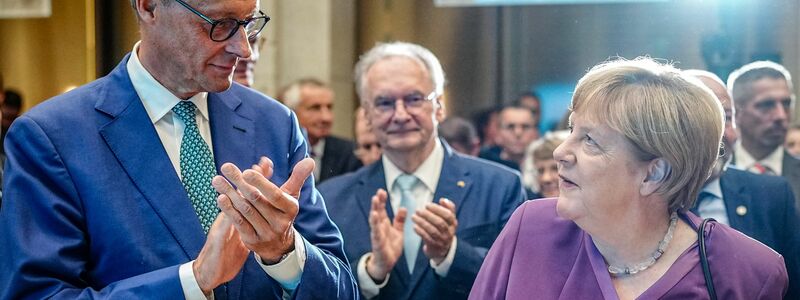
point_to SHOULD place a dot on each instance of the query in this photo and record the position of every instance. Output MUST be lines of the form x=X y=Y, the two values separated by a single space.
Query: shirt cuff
x=191 y=290
x=444 y=267
x=288 y=271
x=365 y=283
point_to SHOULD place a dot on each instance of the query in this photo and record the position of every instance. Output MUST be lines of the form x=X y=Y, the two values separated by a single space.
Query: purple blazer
x=543 y=256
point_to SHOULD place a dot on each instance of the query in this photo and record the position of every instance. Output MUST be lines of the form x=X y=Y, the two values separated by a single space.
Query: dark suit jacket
x=485 y=195
x=338 y=158
x=762 y=207
x=93 y=207
x=791 y=171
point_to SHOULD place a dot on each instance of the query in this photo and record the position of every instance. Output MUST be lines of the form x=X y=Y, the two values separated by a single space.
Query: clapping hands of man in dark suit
x=436 y=224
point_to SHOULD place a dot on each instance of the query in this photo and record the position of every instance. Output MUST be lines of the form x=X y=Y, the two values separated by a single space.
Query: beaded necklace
x=650 y=261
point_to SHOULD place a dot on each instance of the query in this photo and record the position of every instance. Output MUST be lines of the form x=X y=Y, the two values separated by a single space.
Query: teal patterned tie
x=197 y=167
x=411 y=239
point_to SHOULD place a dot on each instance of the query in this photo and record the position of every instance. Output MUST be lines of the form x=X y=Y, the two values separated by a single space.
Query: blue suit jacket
x=762 y=207
x=485 y=195
x=93 y=208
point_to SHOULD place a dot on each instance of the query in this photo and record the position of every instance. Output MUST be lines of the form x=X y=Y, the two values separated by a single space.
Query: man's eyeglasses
x=223 y=29
x=415 y=100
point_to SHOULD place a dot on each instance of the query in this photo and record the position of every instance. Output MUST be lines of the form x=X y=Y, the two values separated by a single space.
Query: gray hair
x=740 y=80
x=413 y=51
x=290 y=94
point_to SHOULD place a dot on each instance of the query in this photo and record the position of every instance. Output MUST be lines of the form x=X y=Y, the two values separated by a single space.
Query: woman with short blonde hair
x=643 y=140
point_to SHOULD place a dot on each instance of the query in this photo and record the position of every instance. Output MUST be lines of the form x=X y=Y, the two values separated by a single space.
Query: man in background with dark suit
x=419 y=222
x=108 y=189
x=312 y=101
x=759 y=206
x=764 y=99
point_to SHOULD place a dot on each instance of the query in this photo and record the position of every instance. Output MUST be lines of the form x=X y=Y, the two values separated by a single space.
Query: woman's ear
x=657 y=171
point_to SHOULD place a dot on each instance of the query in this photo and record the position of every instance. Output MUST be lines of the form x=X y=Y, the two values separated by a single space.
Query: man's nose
x=239 y=44
x=400 y=111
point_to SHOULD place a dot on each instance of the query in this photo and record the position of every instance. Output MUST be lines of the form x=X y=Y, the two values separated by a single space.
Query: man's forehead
x=766 y=88
x=515 y=112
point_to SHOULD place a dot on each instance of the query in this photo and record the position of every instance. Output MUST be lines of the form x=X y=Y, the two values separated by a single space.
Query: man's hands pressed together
x=256 y=216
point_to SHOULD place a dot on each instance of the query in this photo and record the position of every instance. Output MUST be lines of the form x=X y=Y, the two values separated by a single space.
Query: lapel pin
x=460 y=183
x=741 y=210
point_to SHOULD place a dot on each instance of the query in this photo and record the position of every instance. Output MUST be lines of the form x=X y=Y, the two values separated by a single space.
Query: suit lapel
x=375 y=179
x=232 y=135
x=132 y=138
x=734 y=195
x=454 y=184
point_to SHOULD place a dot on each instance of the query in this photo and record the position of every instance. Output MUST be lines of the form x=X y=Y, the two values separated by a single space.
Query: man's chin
x=219 y=86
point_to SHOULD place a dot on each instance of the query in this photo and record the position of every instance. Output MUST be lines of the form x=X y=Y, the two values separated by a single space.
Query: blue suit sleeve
x=468 y=258
x=327 y=274
x=44 y=245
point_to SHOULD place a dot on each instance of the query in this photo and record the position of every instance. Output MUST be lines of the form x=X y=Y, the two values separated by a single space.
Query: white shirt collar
x=774 y=160
x=319 y=148
x=428 y=172
x=157 y=99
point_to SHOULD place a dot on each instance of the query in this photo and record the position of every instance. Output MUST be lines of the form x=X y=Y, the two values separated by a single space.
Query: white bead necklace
x=650 y=261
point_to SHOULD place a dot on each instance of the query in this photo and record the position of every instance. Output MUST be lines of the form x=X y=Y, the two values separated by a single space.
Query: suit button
x=741 y=210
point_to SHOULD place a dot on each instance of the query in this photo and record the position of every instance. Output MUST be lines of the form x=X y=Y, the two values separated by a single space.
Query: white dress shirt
x=713 y=205
x=318 y=150
x=428 y=174
x=158 y=101
x=773 y=161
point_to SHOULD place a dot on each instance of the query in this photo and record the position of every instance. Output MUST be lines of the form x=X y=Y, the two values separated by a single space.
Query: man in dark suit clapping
x=419 y=222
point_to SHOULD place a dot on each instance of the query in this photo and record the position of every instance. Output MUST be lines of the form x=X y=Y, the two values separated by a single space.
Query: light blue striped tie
x=197 y=167
x=411 y=239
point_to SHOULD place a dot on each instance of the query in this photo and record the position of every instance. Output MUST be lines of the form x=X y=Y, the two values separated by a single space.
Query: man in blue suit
x=418 y=223
x=759 y=206
x=108 y=188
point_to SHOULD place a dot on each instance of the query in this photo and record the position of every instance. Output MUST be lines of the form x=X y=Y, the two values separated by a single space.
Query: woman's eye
x=589 y=140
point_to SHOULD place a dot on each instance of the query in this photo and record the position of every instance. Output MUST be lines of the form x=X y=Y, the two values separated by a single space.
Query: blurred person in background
x=533 y=102
x=487 y=125
x=461 y=135
x=517 y=130
x=643 y=139
x=368 y=150
x=539 y=168
x=763 y=96
x=792 y=143
x=312 y=100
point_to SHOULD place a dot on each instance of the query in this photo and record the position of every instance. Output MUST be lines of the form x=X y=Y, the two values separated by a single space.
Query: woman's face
x=547 y=176
x=600 y=175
